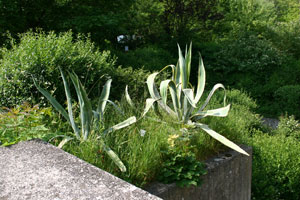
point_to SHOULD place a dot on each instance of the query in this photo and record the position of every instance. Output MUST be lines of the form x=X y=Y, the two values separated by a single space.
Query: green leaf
x=149 y=103
x=86 y=112
x=219 y=112
x=128 y=99
x=64 y=141
x=201 y=79
x=53 y=101
x=69 y=100
x=151 y=86
x=121 y=125
x=188 y=60
x=221 y=138
x=182 y=68
x=115 y=158
x=217 y=86
x=104 y=97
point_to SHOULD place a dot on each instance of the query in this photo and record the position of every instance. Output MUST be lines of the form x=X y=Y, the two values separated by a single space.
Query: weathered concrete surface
x=39 y=171
x=228 y=178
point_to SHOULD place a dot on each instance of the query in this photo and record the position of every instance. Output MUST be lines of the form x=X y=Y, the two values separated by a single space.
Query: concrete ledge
x=228 y=178
x=37 y=170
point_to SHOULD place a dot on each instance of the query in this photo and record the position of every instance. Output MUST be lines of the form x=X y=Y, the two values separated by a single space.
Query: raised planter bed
x=37 y=170
x=228 y=178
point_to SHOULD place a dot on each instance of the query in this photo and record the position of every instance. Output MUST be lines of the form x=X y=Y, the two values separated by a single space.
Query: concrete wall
x=228 y=178
x=35 y=170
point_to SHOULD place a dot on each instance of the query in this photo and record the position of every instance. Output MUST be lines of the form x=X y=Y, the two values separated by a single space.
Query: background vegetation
x=251 y=46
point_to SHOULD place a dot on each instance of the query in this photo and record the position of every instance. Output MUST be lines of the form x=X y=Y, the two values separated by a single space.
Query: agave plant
x=184 y=108
x=90 y=120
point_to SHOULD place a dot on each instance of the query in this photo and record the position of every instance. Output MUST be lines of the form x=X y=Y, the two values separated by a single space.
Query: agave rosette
x=90 y=120
x=184 y=101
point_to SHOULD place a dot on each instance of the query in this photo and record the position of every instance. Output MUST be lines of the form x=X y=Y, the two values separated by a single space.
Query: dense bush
x=289 y=127
x=25 y=122
x=288 y=100
x=39 y=55
x=276 y=167
x=150 y=57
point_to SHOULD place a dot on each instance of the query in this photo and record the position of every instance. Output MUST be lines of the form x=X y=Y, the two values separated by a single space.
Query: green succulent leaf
x=125 y=123
x=69 y=101
x=53 y=101
x=221 y=138
x=128 y=99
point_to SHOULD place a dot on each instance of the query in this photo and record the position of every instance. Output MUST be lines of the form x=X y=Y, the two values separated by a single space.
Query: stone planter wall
x=228 y=178
x=36 y=170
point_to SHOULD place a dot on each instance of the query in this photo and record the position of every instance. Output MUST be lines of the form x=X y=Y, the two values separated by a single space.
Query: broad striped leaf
x=149 y=103
x=86 y=112
x=182 y=68
x=219 y=112
x=201 y=79
x=217 y=86
x=69 y=100
x=115 y=158
x=152 y=87
x=128 y=99
x=189 y=94
x=53 y=101
x=221 y=138
x=104 y=97
x=121 y=125
x=188 y=60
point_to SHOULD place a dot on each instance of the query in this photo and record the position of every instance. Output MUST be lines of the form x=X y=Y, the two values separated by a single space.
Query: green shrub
x=181 y=168
x=287 y=100
x=288 y=127
x=276 y=167
x=150 y=58
x=246 y=61
x=40 y=55
x=25 y=122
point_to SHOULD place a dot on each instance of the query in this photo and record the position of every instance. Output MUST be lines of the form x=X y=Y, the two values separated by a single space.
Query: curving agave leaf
x=104 y=97
x=115 y=158
x=217 y=86
x=69 y=101
x=201 y=80
x=219 y=112
x=125 y=123
x=53 y=101
x=128 y=99
x=149 y=103
x=86 y=112
x=221 y=138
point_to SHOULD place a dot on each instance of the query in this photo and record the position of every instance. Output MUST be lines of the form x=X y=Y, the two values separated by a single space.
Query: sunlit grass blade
x=221 y=138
